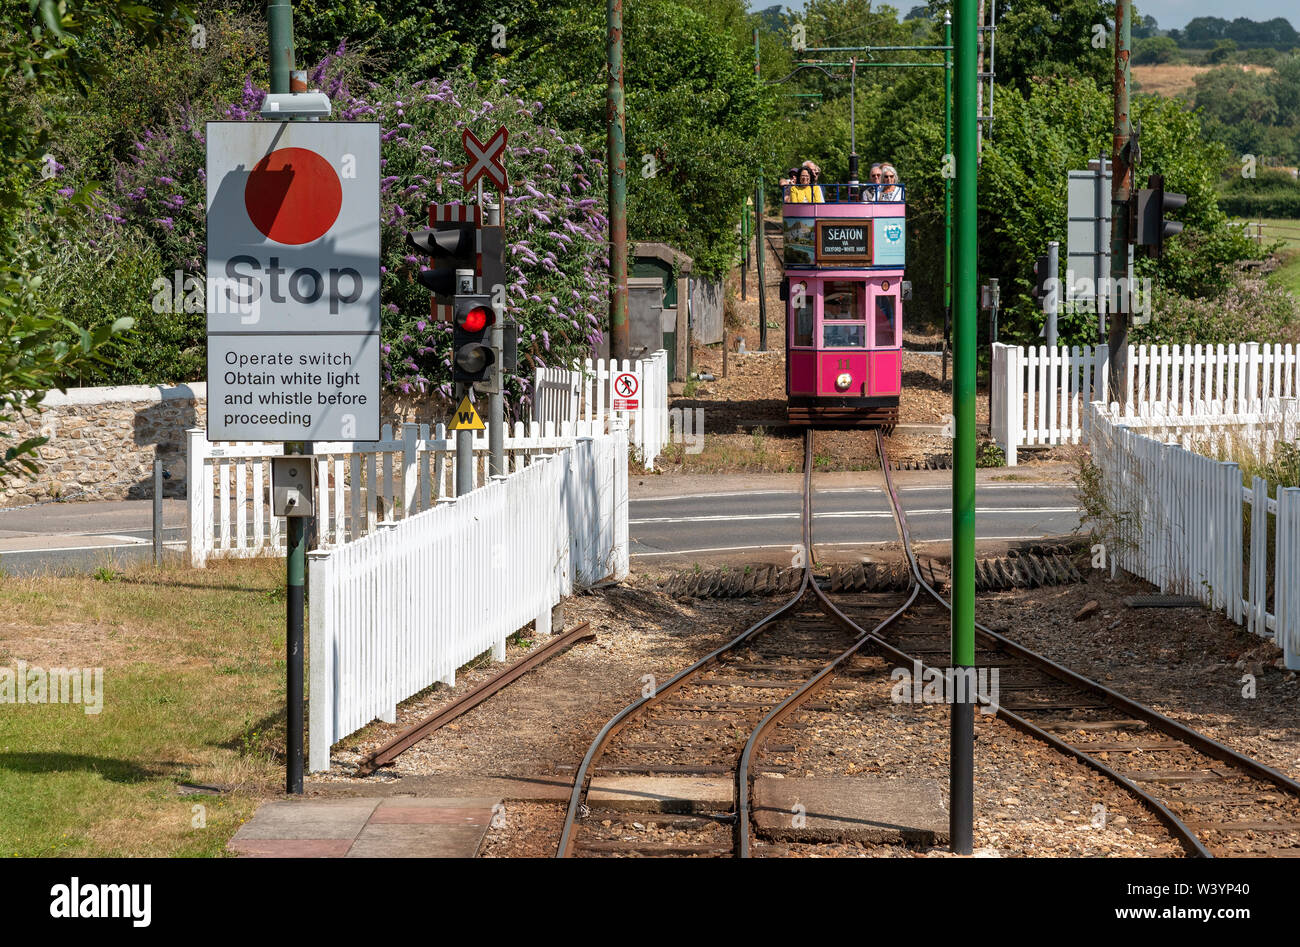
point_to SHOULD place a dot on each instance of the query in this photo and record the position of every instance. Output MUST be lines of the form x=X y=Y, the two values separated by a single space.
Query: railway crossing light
x=1153 y=202
x=1040 y=280
x=472 y=319
x=450 y=246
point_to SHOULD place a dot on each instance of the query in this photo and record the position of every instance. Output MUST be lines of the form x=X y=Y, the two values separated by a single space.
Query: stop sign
x=293 y=281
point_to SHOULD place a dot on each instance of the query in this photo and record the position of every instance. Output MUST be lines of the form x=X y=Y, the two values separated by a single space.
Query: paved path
x=366 y=827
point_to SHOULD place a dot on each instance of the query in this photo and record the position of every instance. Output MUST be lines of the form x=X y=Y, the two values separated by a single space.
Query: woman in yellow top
x=804 y=191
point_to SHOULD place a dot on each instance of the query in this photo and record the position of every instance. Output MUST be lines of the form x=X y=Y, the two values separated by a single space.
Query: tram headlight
x=842 y=381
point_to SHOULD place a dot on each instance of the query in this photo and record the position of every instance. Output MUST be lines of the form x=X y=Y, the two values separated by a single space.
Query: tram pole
x=760 y=229
x=279 y=21
x=1121 y=186
x=947 y=190
x=619 y=338
x=961 y=794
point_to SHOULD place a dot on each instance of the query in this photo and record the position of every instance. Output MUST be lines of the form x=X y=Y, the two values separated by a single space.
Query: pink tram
x=844 y=290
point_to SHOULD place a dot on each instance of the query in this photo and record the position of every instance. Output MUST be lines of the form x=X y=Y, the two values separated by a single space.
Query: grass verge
x=193 y=693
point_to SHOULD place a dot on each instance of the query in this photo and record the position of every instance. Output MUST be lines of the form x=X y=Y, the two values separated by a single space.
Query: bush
x=1249 y=309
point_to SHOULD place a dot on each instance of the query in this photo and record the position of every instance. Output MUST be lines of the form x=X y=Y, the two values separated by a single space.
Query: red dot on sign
x=293 y=196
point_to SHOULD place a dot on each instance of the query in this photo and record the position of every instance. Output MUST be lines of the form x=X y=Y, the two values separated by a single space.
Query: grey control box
x=291 y=485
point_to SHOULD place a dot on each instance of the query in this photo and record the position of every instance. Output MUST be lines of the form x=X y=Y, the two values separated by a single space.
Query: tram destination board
x=844 y=241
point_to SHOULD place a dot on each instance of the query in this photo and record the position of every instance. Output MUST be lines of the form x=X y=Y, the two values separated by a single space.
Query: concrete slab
x=662 y=793
x=290 y=848
x=429 y=815
x=465 y=789
x=418 y=841
x=850 y=808
x=309 y=819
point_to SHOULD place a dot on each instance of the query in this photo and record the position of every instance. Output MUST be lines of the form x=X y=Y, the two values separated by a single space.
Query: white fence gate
x=402 y=608
x=1181 y=524
x=584 y=394
x=1037 y=395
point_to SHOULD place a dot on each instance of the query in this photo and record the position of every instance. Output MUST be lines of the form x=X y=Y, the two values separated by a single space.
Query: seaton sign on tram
x=293 y=281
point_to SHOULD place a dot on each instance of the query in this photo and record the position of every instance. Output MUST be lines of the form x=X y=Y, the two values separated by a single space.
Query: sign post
x=293 y=312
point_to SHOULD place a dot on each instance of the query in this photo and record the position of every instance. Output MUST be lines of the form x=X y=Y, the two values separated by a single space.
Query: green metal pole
x=619 y=338
x=947 y=189
x=279 y=18
x=760 y=229
x=1121 y=186
x=962 y=776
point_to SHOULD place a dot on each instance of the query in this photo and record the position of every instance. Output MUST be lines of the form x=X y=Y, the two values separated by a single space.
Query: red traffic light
x=476 y=319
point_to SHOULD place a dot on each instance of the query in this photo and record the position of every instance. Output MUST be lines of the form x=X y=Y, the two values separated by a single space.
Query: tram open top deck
x=844 y=259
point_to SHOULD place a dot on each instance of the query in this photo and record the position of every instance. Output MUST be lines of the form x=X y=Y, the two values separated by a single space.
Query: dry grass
x=1170 y=79
x=193 y=692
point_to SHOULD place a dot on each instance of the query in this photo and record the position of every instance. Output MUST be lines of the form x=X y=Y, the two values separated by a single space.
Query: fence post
x=1286 y=580
x=198 y=496
x=410 y=468
x=1014 y=406
x=620 y=552
x=321 y=660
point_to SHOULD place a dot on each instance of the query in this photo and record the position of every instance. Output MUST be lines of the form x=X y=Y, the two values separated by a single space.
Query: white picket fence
x=359 y=484
x=584 y=394
x=1181 y=521
x=1037 y=394
x=398 y=610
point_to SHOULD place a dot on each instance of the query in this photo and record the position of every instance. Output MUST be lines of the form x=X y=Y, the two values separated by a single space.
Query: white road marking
x=786 y=546
x=828 y=490
x=845 y=514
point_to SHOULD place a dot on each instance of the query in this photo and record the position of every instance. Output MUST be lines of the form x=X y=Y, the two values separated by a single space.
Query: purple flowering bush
x=554 y=214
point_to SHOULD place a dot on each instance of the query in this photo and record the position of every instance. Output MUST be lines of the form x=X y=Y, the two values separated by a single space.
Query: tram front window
x=843 y=316
x=844 y=336
x=885 y=322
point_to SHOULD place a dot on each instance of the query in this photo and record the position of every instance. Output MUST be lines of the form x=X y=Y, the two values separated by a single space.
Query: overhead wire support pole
x=279 y=19
x=961 y=788
x=619 y=337
x=947 y=192
x=1121 y=187
x=760 y=229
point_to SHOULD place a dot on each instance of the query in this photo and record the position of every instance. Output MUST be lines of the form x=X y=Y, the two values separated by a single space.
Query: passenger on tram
x=891 y=190
x=872 y=191
x=805 y=191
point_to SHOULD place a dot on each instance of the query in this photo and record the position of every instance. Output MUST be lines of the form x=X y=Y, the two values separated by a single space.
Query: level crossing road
x=700 y=526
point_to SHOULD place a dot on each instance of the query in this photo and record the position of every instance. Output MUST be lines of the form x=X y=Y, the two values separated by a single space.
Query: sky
x=1170 y=14
x=1174 y=14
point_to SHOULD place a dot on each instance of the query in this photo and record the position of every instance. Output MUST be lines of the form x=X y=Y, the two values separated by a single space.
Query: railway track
x=716 y=717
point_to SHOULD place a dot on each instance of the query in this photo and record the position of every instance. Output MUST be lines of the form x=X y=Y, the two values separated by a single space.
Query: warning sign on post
x=293 y=281
x=626 y=391
x=293 y=387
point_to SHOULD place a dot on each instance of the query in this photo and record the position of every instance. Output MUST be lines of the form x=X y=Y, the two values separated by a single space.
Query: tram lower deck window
x=801 y=306
x=885 y=321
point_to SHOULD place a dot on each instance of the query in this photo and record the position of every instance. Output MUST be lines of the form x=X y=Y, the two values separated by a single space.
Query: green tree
x=42 y=58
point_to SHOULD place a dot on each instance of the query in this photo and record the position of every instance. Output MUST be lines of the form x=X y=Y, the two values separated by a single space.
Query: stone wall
x=102 y=441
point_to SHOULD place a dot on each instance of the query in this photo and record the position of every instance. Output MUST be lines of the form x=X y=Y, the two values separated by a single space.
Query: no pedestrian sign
x=626 y=389
x=293 y=281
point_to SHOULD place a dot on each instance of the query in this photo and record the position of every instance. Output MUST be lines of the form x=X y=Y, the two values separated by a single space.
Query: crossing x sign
x=486 y=159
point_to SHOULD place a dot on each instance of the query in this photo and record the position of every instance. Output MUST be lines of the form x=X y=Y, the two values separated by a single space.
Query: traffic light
x=1040 y=280
x=451 y=246
x=1153 y=203
x=471 y=349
